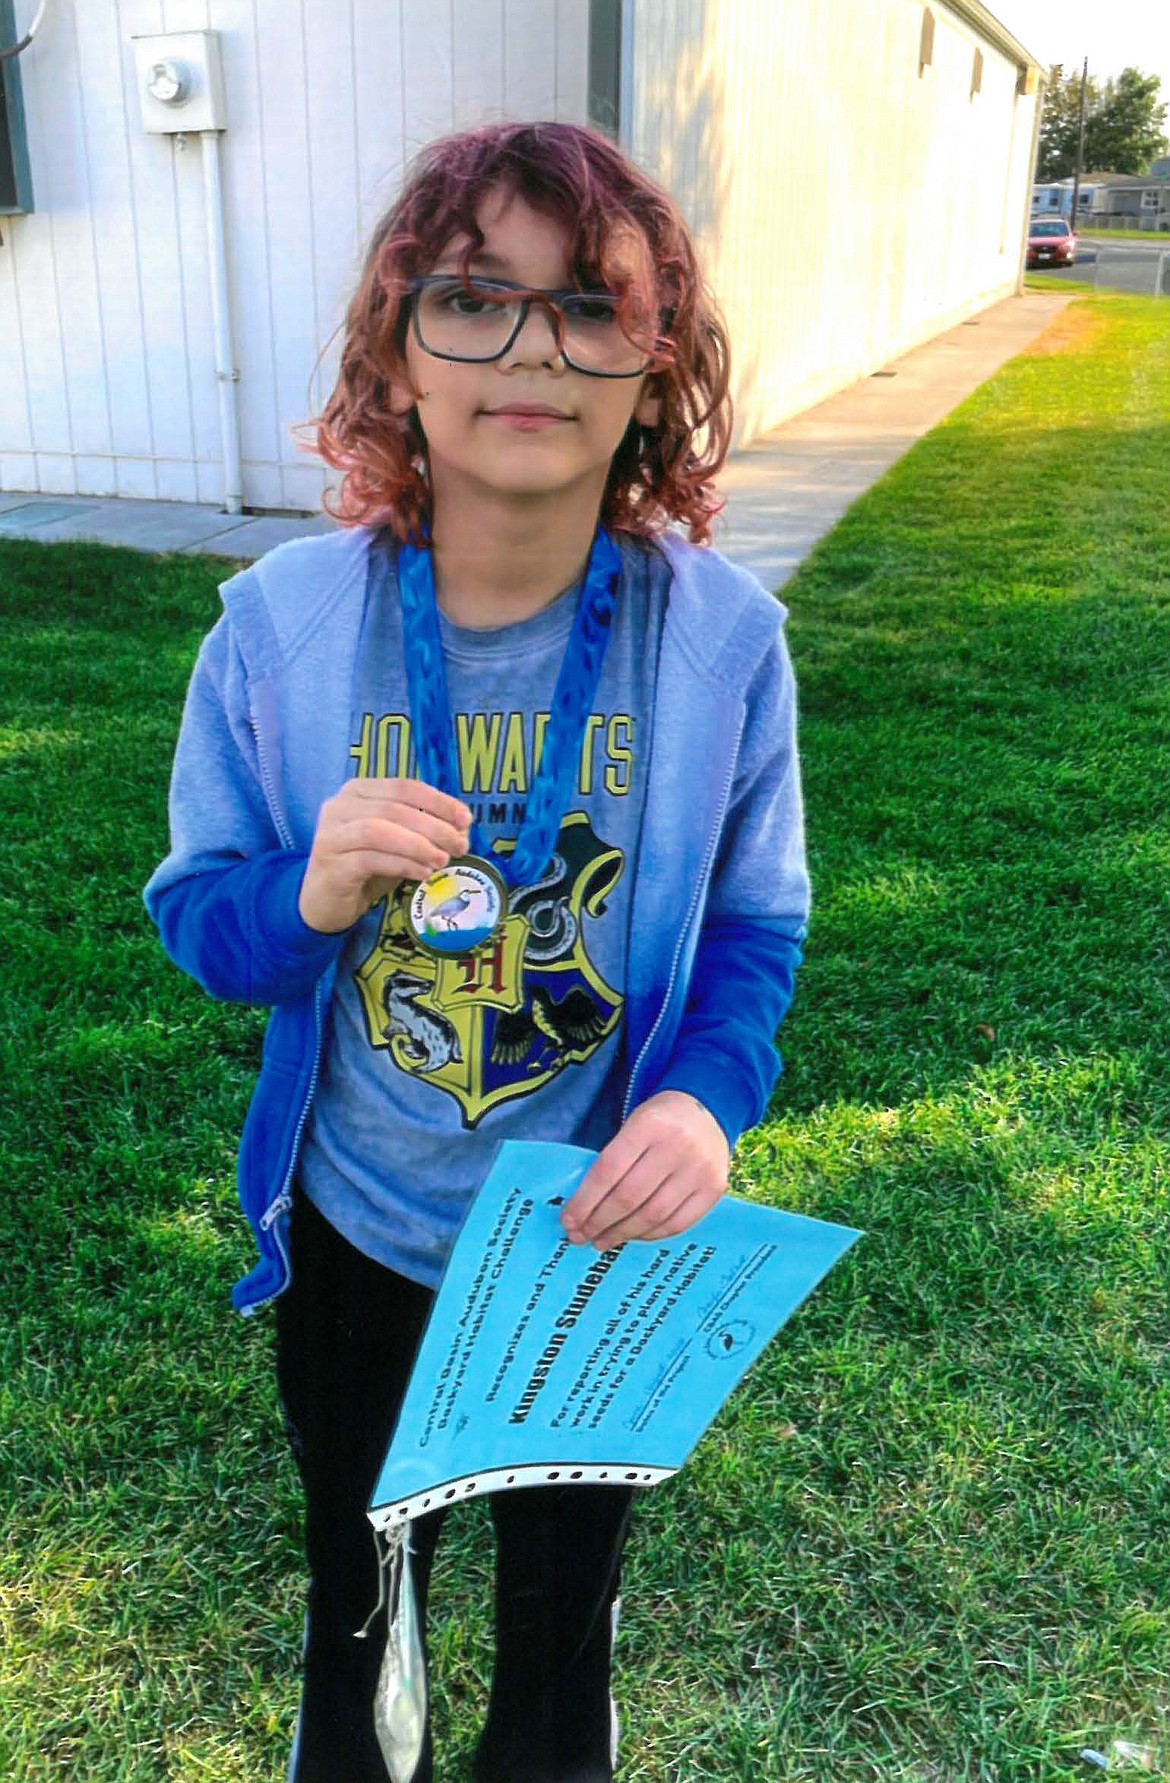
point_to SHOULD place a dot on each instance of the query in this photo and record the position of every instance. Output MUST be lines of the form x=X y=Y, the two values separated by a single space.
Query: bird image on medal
x=459 y=908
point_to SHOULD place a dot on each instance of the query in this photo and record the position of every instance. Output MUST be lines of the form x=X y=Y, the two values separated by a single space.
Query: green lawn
x=930 y=1539
x=1044 y=283
x=1127 y=234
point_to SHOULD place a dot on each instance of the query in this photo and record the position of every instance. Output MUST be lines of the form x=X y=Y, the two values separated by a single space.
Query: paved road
x=1117 y=265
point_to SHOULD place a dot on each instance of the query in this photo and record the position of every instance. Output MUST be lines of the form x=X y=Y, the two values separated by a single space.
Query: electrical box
x=16 y=197
x=180 y=82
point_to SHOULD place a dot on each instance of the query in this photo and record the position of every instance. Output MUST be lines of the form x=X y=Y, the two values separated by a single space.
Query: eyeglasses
x=475 y=321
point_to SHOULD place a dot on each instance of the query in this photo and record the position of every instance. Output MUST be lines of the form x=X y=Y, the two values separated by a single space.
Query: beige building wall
x=107 y=360
x=847 y=205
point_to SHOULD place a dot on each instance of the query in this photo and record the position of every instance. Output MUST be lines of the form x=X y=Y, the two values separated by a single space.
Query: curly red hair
x=577 y=176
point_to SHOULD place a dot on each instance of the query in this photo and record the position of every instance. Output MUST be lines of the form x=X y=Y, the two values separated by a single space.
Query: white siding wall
x=846 y=208
x=107 y=374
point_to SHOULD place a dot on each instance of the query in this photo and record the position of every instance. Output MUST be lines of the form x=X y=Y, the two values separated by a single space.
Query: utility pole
x=1080 y=148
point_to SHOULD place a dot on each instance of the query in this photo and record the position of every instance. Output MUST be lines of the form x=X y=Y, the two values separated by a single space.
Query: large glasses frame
x=549 y=301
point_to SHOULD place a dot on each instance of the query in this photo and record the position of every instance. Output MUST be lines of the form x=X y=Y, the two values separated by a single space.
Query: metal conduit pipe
x=226 y=372
x=180 y=79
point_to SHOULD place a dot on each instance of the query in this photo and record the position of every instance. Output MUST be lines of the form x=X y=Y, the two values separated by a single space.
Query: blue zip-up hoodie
x=720 y=901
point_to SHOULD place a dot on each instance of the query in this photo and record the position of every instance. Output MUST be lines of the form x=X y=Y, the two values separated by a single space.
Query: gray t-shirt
x=429 y=1064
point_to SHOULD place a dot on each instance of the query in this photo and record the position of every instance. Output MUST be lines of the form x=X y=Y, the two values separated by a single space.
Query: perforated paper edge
x=501 y=1479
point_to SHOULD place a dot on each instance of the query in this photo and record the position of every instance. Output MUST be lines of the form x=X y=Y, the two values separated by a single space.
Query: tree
x=1058 y=126
x=1125 y=134
x=1123 y=121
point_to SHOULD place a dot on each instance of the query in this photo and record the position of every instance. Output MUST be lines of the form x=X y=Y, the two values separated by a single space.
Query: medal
x=459 y=907
x=464 y=904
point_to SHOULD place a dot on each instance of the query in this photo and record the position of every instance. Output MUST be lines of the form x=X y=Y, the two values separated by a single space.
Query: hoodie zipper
x=283 y=1201
x=281 y=827
x=701 y=881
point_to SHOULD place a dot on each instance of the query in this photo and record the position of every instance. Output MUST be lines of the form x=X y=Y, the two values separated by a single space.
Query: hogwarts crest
x=502 y=1021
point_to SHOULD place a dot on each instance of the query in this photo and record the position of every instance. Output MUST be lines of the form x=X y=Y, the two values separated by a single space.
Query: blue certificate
x=545 y=1361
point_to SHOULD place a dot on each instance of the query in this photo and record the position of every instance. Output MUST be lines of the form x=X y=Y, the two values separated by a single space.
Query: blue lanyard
x=580 y=671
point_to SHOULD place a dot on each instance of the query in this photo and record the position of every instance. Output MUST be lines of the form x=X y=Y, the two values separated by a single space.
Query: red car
x=1051 y=243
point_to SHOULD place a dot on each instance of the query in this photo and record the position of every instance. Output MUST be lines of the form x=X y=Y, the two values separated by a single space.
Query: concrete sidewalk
x=783 y=494
x=792 y=485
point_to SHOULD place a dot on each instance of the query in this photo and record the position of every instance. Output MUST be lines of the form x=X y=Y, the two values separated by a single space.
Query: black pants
x=347 y=1332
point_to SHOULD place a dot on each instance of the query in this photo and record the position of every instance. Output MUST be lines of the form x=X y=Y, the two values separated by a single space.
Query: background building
x=858 y=173
x=1124 y=200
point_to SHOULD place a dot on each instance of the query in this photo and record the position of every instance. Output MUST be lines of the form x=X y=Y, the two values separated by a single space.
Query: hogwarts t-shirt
x=429 y=1063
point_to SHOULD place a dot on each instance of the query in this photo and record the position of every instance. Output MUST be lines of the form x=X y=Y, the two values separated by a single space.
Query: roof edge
x=977 y=16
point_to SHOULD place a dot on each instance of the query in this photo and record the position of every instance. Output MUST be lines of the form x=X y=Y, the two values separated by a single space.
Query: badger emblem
x=428 y=1040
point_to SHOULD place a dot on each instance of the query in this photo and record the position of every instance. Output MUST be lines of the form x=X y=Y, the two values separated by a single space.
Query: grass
x=1126 y=234
x=1046 y=285
x=929 y=1540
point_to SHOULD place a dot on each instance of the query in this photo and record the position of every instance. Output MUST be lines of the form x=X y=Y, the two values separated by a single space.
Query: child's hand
x=369 y=836
x=663 y=1171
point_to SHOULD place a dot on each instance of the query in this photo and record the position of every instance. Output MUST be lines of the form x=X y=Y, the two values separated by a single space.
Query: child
x=493 y=795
